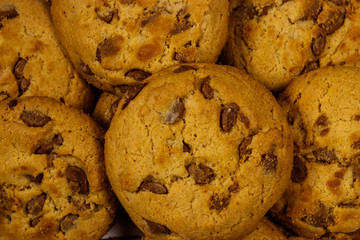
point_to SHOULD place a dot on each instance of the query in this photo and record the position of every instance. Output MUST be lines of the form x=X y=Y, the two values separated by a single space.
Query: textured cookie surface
x=52 y=176
x=276 y=41
x=323 y=108
x=105 y=108
x=31 y=61
x=122 y=42
x=202 y=152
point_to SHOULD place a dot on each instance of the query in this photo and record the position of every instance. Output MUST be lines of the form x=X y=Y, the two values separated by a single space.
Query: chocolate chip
x=339 y=2
x=131 y=93
x=234 y=188
x=318 y=44
x=325 y=155
x=228 y=116
x=77 y=180
x=19 y=68
x=356 y=144
x=269 y=161
x=12 y=103
x=67 y=222
x=105 y=13
x=35 y=205
x=137 y=74
x=184 y=68
x=179 y=28
x=149 y=19
x=113 y=108
x=37 y=179
x=8 y=11
x=201 y=173
x=310 y=66
x=34 y=118
x=48 y=147
x=34 y=222
x=218 y=203
x=176 y=112
x=244 y=151
x=299 y=171
x=244 y=119
x=206 y=90
x=357 y=117
x=23 y=85
x=322 y=120
x=186 y=147
x=109 y=47
x=334 y=21
x=157 y=228
x=321 y=218
x=85 y=68
x=324 y=131
x=153 y=186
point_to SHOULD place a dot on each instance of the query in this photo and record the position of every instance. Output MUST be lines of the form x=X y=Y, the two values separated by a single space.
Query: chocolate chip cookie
x=201 y=152
x=122 y=42
x=53 y=183
x=323 y=109
x=31 y=60
x=276 y=41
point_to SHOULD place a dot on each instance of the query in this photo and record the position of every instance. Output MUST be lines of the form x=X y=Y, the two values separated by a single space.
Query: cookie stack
x=205 y=119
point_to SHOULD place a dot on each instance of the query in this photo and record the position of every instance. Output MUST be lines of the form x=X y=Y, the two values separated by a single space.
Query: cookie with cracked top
x=276 y=41
x=53 y=183
x=32 y=62
x=323 y=110
x=122 y=42
x=201 y=152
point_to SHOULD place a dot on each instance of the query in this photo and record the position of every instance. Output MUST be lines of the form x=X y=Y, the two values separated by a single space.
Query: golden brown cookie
x=31 y=60
x=122 y=42
x=323 y=109
x=53 y=183
x=278 y=40
x=201 y=152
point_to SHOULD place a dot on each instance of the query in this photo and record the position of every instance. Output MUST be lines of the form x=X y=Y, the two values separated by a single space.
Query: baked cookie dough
x=323 y=109
x=53 y=182
x=201 y=152
x=122 y=42
x=105 y=108
x=277 y=40
x=31 y=60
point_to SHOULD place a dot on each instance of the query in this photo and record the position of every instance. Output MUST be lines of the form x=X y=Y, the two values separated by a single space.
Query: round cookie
x=323 y=109
x=201 y=152
x=31 y=60
x=122 y=42
x=53 y=182
x=277 y=40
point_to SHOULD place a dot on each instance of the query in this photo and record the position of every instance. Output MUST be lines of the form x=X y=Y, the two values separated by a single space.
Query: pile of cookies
x=203 y=119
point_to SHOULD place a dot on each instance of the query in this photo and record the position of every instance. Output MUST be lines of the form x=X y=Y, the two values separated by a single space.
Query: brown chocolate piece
x=299 y=171
x=35 y=205
x=137 y=74
x=176 y=112
x=153 y=186
x=34 y=118
x=218 y=202
x=206 y=90
x=157 y=228
x=201 y=173
x=77 y=180
x=228 y=116
x=68 y=222
x=48 y=147
x=269 y=161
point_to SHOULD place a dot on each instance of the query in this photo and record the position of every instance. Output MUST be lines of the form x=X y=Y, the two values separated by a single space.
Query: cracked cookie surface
x=53 y=183
x=117 y=42
x=31 y=60
x=278 y=40
x=323 y=110
x=201 y=152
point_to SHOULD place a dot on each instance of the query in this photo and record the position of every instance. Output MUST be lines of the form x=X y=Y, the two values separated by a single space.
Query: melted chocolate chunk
x=206 y=90
x=77 y=180
x=269 y=161
x=153 y=186
x=228 y=116
x=131 y=93
x=48 y=147
x=318 y=45
x=35 y=205
x=176 y=112
x=34 y=118
x=186 y=147
x=218 y=203
x=334 y=21
x=67 y=222
x=105 y=13
x=137 y=74
x=325 y=155
x=299 y=171
x=157 y=228
x=201 y=173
